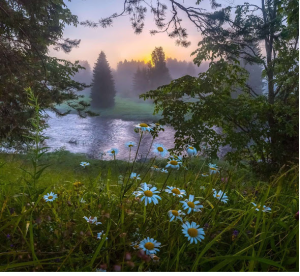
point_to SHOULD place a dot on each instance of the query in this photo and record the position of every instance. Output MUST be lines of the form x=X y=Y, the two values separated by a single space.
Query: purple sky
x=119 y=41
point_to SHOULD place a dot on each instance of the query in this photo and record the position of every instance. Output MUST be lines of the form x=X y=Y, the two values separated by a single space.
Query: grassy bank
x=125 y=108
x=36 y=235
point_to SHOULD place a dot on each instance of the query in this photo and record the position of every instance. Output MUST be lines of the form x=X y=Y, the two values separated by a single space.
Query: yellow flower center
x=160 y=149
x=130 y=145
x=155 y=167
x=173 y=162
x=143 y=125
x=217 y=195
x=149 y=245
x=176 y=191
x=193 y=232
x=157 y=124
x=258 y=206
x=175 y=213
x=113 y=151
x=148 y=193
x=50 y=197
x=155 y=258
x=191 y=148
x=214 y=169
x=191 y=204
x=136 y=246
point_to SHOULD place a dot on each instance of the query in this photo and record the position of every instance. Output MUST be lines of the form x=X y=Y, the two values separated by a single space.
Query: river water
x=94 y=135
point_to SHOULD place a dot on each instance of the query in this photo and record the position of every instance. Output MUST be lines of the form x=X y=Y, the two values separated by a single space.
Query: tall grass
x=53 y=236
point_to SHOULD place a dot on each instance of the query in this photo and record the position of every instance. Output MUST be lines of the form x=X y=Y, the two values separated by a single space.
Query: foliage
x=103 y=88
x=27 y=30
x=261 y=129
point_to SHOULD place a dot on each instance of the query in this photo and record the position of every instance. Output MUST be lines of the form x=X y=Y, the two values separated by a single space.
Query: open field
x=125 y=108
x=54 y=236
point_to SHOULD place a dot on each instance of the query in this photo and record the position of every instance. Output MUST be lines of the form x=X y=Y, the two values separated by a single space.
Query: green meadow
x=41 y=235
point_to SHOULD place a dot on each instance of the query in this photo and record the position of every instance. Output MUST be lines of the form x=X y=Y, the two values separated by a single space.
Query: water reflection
x=95 y=135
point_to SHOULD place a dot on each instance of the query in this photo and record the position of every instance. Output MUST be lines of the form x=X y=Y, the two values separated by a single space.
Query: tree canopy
x=27 y=30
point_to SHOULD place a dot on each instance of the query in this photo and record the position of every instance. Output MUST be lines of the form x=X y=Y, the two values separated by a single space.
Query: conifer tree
x=158 y=72
x=103 y=87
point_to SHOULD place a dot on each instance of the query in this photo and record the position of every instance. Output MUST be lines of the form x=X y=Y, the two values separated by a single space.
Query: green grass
x=125 y=108
x=53 y=236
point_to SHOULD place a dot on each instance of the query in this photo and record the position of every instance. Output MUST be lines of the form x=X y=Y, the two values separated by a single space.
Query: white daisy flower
x=193 y=232
x=50 y=197
x=174 y=164
x=264 y=209
x=135 y=176
x=113 y=152
x=130 y=144
x=149 y=246
x=142 y=127
x=84 y=164
x=190 y=205
x=213 y=168
x=191 y=151
x=160 y=150
x=174 y=214
x=221 y=196
x=163 y=171
x=82 y=200
x=175 y=191
x=148 y=194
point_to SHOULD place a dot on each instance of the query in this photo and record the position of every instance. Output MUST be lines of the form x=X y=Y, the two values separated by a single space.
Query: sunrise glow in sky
x=119 y=41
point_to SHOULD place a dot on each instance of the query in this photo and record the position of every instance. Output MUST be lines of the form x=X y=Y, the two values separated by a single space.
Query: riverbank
x=125 y=109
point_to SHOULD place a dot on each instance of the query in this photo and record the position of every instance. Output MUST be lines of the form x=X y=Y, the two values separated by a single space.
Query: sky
x=119 y=41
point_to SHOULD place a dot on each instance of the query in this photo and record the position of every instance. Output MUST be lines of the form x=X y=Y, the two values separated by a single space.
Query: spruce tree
x=158 y=70
x=103 y=87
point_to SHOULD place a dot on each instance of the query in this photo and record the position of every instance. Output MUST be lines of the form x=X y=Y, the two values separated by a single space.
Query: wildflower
x=113 y=152
x=142 y=128
x=235 y=233
x=154 y=258
x=92 y=220
x=220 y=195
x=175 y=191
x=148 y=194
x=224 y=179
x=127 y=256
x=190 y=205
x=100 y=235
x=84 y=164
x=130 y=144
x=265 y=209
x=174 y=214
x=8 y=236
x=155 y=168
x=149 y=246
x=191 y=151
x=174 y=164
x=135 y=176
x=135 y=245
x=50 y=197
x=205 y=174
x=212 y=168
x=164 y=171
x=82 y=200
x=193 y=232
x=202 y=187
x=100 y=270
x=160 y=149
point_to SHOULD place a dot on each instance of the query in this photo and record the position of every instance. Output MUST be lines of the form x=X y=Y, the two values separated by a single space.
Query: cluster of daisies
x=149 y=194
x=191 y=231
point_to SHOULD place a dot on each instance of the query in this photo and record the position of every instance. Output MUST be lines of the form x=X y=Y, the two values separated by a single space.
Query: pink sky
x=119 y=41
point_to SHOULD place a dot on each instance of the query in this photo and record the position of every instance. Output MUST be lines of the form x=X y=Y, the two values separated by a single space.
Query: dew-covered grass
x=36 y=235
